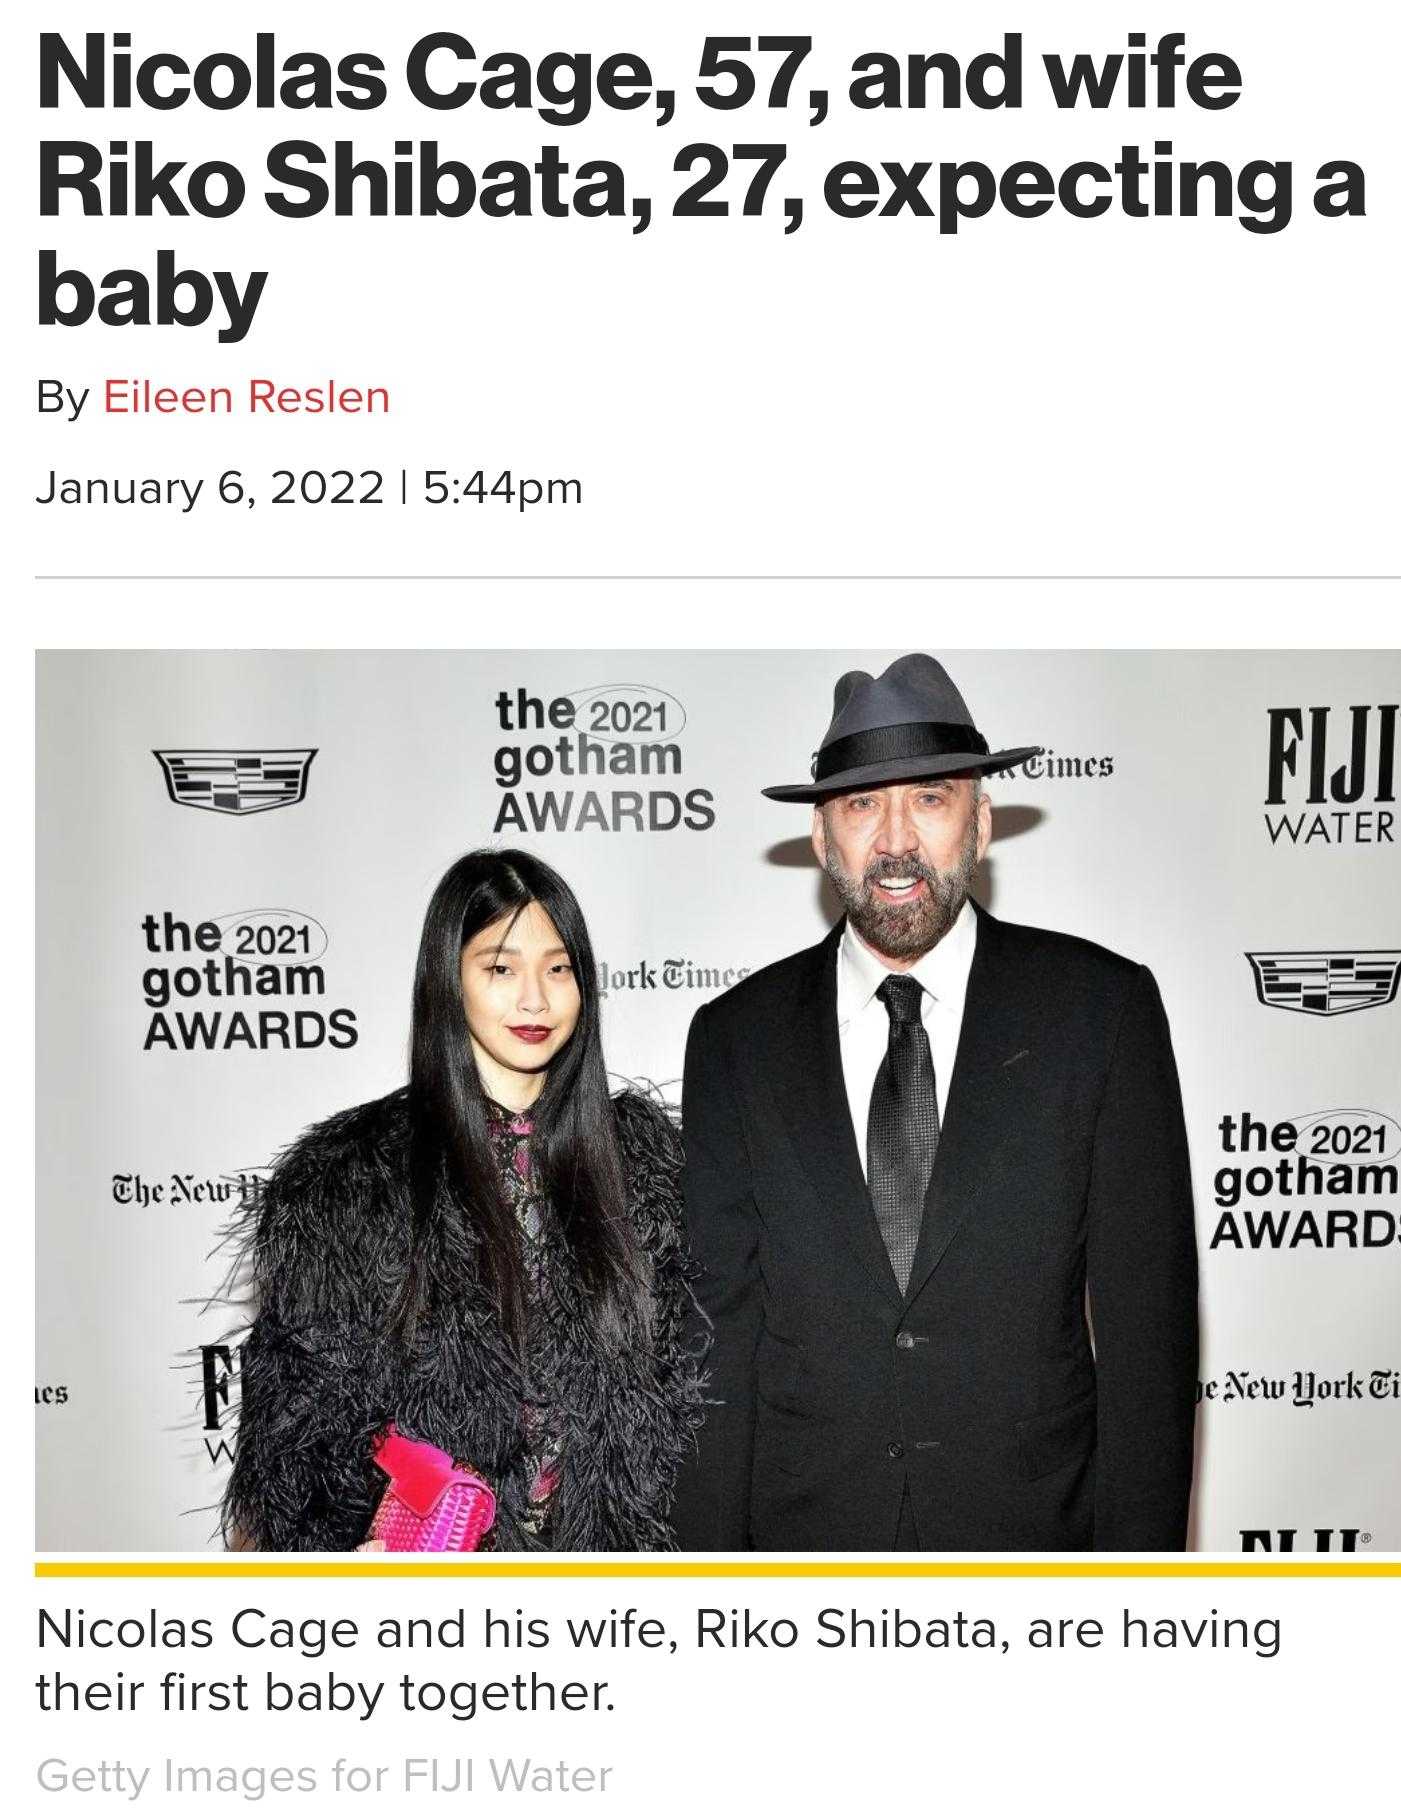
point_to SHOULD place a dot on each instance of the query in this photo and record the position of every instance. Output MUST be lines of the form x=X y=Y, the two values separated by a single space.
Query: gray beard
x=905 y=931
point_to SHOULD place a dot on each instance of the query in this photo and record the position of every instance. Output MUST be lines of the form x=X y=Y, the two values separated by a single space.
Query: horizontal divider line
x=716 y=577
x=511 y=1568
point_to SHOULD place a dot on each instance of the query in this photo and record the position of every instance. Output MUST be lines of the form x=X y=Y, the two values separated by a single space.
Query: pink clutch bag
x=430 y=1503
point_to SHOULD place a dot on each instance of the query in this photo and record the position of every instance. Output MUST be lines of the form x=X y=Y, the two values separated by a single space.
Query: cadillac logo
x=241 y=782
x=1327 y=985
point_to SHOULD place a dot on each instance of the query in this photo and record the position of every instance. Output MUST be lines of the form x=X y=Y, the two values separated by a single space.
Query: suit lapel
x=966 y=1164
x=811 y=1096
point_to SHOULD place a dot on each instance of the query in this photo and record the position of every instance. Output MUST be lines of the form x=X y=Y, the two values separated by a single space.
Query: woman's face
x=522 y=1003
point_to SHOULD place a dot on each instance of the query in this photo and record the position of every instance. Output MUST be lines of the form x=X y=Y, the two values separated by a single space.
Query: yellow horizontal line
x=490 y=1569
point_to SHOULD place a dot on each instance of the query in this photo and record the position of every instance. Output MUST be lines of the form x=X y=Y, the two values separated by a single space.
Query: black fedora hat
x=909 y=723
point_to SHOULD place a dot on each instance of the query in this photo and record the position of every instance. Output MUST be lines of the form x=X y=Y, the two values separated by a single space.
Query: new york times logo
x=259 y=969
x=1053 y=765
x=594 y=738
x=1311 y=1182
x=1304 y=1388
x=1327 y=779
x=673 y=974
x=243 y=1189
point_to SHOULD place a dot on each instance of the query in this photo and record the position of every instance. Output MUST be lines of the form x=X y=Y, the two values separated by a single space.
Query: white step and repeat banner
x=235 y=851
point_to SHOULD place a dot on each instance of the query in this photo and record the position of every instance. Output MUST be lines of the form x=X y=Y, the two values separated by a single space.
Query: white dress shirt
x=863 y=1023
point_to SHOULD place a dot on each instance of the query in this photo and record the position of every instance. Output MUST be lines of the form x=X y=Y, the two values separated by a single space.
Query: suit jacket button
x=905 y=1341
x=896 y=1450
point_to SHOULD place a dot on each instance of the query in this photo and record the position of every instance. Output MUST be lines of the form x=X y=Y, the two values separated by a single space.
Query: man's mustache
x=886 y=868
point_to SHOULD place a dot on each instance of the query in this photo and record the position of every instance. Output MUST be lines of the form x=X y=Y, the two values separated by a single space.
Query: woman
x=490 y=1259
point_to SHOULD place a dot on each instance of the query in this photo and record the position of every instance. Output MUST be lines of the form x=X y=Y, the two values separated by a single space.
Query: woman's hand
x=372 y=1545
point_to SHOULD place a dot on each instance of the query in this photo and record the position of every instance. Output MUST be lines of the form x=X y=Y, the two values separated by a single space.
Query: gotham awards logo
x=253 y=980
x=1323 y=1180
x=560 y=766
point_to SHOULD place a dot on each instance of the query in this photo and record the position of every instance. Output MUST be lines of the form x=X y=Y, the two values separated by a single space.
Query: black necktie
x=902 y=1130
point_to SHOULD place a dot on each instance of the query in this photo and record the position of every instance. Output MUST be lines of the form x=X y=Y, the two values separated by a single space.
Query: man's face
x=902 y=858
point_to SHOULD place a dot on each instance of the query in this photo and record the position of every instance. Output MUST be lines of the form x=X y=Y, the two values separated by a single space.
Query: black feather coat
x=322 y=1373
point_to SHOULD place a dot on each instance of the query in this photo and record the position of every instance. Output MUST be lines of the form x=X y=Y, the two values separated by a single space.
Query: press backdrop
x=235 y=852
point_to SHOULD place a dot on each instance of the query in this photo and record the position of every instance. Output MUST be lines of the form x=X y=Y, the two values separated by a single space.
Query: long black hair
x=573 y=1146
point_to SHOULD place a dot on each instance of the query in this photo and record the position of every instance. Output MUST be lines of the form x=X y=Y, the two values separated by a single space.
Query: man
x=911 y=1153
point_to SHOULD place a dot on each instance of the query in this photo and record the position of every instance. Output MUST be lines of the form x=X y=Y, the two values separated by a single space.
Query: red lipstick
x=529 y=1032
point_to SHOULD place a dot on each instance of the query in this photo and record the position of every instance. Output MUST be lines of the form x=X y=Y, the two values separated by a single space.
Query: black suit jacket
x=1062 y=1161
